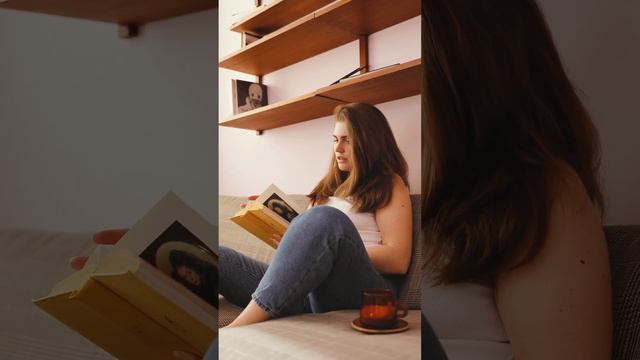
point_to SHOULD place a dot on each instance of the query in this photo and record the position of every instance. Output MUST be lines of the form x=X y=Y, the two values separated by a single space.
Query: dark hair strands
x=501 y=122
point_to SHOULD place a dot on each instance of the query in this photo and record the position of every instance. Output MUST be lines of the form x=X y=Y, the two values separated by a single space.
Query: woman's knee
x=323 y=222
x=325 y=216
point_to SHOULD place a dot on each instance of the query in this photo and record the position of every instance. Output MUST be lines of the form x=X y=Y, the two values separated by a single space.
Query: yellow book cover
x=269 y=214
x=151 y=294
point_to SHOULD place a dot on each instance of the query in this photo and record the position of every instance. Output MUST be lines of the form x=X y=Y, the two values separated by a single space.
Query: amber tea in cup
x=380 y=309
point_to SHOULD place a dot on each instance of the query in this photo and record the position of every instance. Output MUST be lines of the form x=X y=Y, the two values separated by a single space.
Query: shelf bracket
x=259 y=132
x=127 y=31
x=364 y=53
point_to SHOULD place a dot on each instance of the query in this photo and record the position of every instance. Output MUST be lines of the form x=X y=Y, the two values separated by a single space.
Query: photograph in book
x=178 y=253
x=280 y=207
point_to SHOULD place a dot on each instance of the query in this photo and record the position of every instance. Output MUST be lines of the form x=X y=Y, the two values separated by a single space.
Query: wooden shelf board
x=390 y=83
x=334 y=25
x=302 y=108
x=393 y=82
x=136 y=12
x=276 y=15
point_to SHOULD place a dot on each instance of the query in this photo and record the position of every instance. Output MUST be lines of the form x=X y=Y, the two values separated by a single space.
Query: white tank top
x=365 y=222
x=465 y=318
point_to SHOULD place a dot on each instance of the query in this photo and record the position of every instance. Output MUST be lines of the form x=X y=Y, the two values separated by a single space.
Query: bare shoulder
x=561 y=298
x=574 y=221
x=400 y=200
x=400 y=191
x=398 y=183
x=570 y=197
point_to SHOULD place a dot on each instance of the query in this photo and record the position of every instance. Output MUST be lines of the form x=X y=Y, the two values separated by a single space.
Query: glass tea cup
x=380 y=310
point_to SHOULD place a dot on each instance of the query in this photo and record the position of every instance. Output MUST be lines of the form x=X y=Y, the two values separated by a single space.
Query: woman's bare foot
x=250 y=315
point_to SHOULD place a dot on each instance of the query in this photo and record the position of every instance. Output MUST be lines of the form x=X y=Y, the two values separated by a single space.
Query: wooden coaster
x=400 y=327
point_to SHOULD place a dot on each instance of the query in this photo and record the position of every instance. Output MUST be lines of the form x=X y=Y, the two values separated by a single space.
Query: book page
x=179 y=242
x=276 y=200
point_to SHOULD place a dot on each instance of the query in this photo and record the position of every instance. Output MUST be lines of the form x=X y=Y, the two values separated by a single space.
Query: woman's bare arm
x=395 y=224
x=558 y=306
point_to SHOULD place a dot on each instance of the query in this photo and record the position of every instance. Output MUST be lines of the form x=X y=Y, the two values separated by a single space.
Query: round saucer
x=401 y=326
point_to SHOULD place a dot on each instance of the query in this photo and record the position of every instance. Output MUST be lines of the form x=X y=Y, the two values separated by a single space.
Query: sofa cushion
x=318 y=336
x=624 y=254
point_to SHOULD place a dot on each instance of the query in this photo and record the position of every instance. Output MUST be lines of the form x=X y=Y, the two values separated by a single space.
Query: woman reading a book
x=357 y=228
x=356 y=231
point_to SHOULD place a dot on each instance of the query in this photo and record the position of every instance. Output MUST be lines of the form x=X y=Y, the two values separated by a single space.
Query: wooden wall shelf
x=134 y=12
x=390 y=83
x=329 y=27
x=276 y=15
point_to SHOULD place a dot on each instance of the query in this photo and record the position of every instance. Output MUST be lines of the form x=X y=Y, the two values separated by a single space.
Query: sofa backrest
x=624 y=256
x=410 y=289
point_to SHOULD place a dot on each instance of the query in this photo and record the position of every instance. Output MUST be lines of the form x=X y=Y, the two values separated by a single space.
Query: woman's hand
x=276 y=238
x=250 y=198
x=106 y=237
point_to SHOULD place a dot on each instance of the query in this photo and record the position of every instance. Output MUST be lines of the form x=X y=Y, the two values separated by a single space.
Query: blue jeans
x=321 y=265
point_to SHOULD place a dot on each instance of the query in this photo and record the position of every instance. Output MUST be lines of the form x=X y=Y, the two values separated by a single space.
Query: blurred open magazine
x=152 y=293
x=269 y=214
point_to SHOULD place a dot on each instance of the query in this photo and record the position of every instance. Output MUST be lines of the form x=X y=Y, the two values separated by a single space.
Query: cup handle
x=401 y=307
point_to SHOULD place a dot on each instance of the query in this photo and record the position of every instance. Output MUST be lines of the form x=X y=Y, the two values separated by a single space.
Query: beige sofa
x=312 y=336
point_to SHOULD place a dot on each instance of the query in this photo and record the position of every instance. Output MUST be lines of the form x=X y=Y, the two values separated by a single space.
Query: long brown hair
x=499 y=115
x=376 y=159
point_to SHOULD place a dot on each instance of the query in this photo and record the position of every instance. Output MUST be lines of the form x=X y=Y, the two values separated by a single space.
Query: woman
x=357 y=228
x=517 y=263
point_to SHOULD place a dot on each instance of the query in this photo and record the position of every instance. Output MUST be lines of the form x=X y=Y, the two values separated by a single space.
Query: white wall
x=599 y=42
x=295 y=157
x=94 y=129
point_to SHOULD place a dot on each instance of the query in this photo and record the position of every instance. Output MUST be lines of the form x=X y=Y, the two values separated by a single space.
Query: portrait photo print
x=248 y=95
x=280 y=207
x=180 y=254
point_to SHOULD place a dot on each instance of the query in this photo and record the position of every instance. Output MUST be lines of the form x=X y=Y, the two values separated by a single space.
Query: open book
x=269 y=214
x=152 y=293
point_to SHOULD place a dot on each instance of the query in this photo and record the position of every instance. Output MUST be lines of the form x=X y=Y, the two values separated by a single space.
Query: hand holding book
x=105 y=237
x=145 y=292
x=275 y=238
x=268 y=216
x=111 y=237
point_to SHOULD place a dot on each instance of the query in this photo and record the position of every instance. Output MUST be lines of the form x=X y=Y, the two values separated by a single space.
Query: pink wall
x=599 y=42
x=295 y=157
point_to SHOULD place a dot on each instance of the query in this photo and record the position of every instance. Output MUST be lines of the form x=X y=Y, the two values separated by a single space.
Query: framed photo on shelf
x=248 y=95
